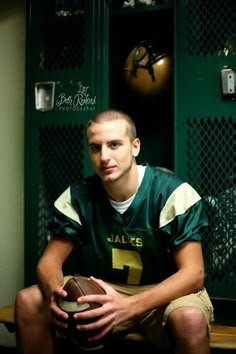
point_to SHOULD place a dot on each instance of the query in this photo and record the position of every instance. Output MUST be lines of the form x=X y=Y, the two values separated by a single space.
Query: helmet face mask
x=147 y=72
x=133 y=3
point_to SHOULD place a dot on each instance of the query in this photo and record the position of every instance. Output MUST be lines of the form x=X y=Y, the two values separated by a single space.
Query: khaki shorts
x=152 y=324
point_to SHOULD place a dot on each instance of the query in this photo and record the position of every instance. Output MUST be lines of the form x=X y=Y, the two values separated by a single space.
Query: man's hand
x=59 y=317
x=111 y=313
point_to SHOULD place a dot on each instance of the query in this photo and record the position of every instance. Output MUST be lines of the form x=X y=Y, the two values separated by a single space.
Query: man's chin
x=108 y=178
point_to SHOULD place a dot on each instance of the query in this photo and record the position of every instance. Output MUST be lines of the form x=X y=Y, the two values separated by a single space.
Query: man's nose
x=104 y=153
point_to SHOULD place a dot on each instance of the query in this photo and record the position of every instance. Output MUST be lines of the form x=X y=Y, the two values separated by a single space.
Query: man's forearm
x=179 y=284
x=49 y=276
x=49 y=269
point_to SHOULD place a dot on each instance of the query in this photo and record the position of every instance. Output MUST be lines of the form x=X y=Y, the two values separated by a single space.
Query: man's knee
x=188 y=322
x=28 y=301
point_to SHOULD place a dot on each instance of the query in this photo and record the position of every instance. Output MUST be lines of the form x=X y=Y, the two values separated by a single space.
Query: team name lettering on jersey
x=134 y=241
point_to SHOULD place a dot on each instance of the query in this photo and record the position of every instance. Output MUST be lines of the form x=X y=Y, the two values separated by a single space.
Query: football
x=75 y=287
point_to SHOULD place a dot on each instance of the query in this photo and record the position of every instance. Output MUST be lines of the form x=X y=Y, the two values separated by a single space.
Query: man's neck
x=123 y=188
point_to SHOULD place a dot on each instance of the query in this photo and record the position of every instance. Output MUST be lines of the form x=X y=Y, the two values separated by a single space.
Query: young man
x=137 y=230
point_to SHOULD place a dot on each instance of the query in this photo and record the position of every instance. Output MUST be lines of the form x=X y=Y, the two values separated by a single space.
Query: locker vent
x=210 y=27
x=62 y=34
x=61 y=163
x=211 y=168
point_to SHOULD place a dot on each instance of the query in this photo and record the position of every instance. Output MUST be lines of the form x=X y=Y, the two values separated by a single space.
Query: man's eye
x=95 y=148
x=114 y=145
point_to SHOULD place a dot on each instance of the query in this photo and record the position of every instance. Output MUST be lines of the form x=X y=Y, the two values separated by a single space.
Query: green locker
x=149 y=27
x=66 y=83
x=205 y=127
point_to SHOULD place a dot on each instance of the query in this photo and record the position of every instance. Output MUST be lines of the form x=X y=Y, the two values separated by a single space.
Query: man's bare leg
x=32 y=318
x=189 y=331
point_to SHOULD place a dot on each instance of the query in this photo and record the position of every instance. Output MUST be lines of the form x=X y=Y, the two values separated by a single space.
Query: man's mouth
x=107 y=169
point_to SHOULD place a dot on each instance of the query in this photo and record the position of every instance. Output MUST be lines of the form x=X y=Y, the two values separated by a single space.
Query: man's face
x=111 y=151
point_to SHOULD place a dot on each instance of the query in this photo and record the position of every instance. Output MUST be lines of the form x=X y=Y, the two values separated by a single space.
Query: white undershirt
x=121 y=207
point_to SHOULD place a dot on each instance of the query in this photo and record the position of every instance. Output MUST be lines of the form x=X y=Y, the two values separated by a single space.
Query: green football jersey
x=135 y=247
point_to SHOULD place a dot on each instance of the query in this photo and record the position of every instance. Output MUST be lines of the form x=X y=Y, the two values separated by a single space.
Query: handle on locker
x=228 y=82
x=44 y=95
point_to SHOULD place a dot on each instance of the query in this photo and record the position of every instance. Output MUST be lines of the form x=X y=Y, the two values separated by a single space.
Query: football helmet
x=147 y=72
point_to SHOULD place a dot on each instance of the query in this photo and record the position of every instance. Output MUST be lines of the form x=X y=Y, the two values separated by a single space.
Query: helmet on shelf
x=147 y=72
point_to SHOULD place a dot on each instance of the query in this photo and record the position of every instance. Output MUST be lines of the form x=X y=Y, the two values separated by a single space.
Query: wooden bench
x=7 y=317
x=222 y=337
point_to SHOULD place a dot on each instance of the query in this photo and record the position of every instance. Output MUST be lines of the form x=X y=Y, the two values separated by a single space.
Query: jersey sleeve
x=66 y=219
x=183 y=216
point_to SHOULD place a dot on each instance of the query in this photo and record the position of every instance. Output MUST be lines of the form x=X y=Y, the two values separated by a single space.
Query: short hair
x=110 y=114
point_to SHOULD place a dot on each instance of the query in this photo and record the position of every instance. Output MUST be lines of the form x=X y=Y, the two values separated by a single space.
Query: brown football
x=75 y=287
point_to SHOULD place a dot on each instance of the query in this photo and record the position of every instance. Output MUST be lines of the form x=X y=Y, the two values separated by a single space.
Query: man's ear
x=136 y=147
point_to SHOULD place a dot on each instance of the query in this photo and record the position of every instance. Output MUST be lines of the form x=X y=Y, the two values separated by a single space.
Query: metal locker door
x=205 y=125
x=65 y=85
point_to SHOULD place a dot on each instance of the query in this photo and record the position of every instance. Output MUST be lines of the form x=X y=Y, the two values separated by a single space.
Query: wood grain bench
x=222 y=337
x=7 y=317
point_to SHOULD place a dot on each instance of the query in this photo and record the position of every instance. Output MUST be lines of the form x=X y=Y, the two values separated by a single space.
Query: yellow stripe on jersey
x=63 y=204
x=178 y=202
